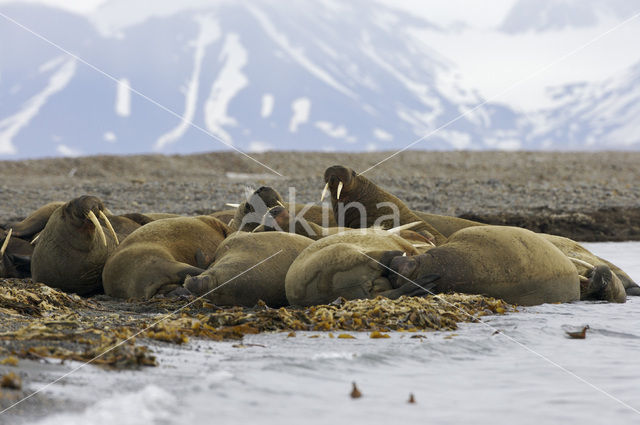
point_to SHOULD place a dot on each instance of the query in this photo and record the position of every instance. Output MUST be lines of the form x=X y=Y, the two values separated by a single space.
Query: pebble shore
x=586 y=196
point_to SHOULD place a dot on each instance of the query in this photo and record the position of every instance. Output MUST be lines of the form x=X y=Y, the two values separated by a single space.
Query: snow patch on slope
x=296 y=53
x=230 y=81
x=11 y=126
x=267 y=105
x=209 y=32
x=301 y=108
x=123 y=98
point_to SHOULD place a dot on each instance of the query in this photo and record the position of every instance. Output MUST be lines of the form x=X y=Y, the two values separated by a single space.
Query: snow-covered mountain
x=544 y=15
x=263 y=74
x=590 y=116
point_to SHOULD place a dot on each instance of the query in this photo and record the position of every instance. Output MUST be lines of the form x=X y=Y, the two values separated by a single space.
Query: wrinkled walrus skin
x=70 y=252
x=357 y=190
x=336 y=266
x=157 y=257
x=249 y=213
x=510 y=263
x=15 y=256
x=234 y=278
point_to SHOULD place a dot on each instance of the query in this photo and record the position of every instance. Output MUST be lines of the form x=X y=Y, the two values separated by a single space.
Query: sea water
x=518 y=368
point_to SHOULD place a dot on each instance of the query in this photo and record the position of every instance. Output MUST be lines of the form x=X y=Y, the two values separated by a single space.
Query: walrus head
x=338 y=180
x=249 y=213
x=83 y=212
x=414 y=269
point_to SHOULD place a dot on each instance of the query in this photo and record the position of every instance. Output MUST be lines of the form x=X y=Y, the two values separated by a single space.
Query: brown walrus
x=342 y=265
x=250 y=212
x=36 y=221
x=357 y=203
x=237 y=275
x=511 y=263
x=157 y=257
x=15 y=256
x=73 y=247
x=279 y=219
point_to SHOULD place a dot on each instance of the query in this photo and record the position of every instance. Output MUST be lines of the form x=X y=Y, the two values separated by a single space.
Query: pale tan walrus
x=157 y=257
x=511 y=263
x=239 y=277
x=336 y=266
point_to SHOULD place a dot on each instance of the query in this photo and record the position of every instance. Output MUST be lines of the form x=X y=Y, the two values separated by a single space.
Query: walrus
x=357 y=203
x=35 y=222
x=367 y=193
x=250 y=212
x=15 y=256
x=235 y=279
x=157 y=257
x=279 y=219
x=514 y=264
x=73 y=246
x=343 y=265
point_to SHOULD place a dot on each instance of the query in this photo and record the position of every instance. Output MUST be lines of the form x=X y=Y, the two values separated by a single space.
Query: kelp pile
x=41 y=322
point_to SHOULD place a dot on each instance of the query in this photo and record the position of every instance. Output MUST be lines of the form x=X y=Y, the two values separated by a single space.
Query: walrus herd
x=367 y=244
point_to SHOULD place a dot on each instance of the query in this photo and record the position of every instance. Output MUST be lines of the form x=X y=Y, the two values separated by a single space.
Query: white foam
x=152 y=404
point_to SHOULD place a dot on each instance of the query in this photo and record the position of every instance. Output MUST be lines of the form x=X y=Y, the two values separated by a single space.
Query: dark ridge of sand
x=585 y=196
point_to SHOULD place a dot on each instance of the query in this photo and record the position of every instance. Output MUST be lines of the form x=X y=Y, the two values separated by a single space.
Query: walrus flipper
x=35 y=222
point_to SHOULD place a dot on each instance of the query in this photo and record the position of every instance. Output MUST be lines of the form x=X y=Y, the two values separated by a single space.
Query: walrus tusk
x=404 y=254
x=324 y=192
x=281 y=204
x=582 y=263
x=402 y=227
x=110 y=227
x=33 y=241
x=583 y=278
x=92 y=217
x=422 y=245
x=229 y=204
x=339 y=190
x=6 y=242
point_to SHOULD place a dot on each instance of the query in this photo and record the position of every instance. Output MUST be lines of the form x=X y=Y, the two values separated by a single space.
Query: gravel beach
x=585 y=196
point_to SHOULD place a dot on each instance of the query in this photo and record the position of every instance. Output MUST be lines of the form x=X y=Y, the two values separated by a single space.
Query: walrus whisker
x=582 y=263
x=109 y=226
x=324 y=192
x=339 y=190
x=232 y=205
x=6 y=242
x=92 y=217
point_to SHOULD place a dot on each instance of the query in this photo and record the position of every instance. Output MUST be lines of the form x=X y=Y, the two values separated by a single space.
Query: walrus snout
x=198 y=285
x=337 y=179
